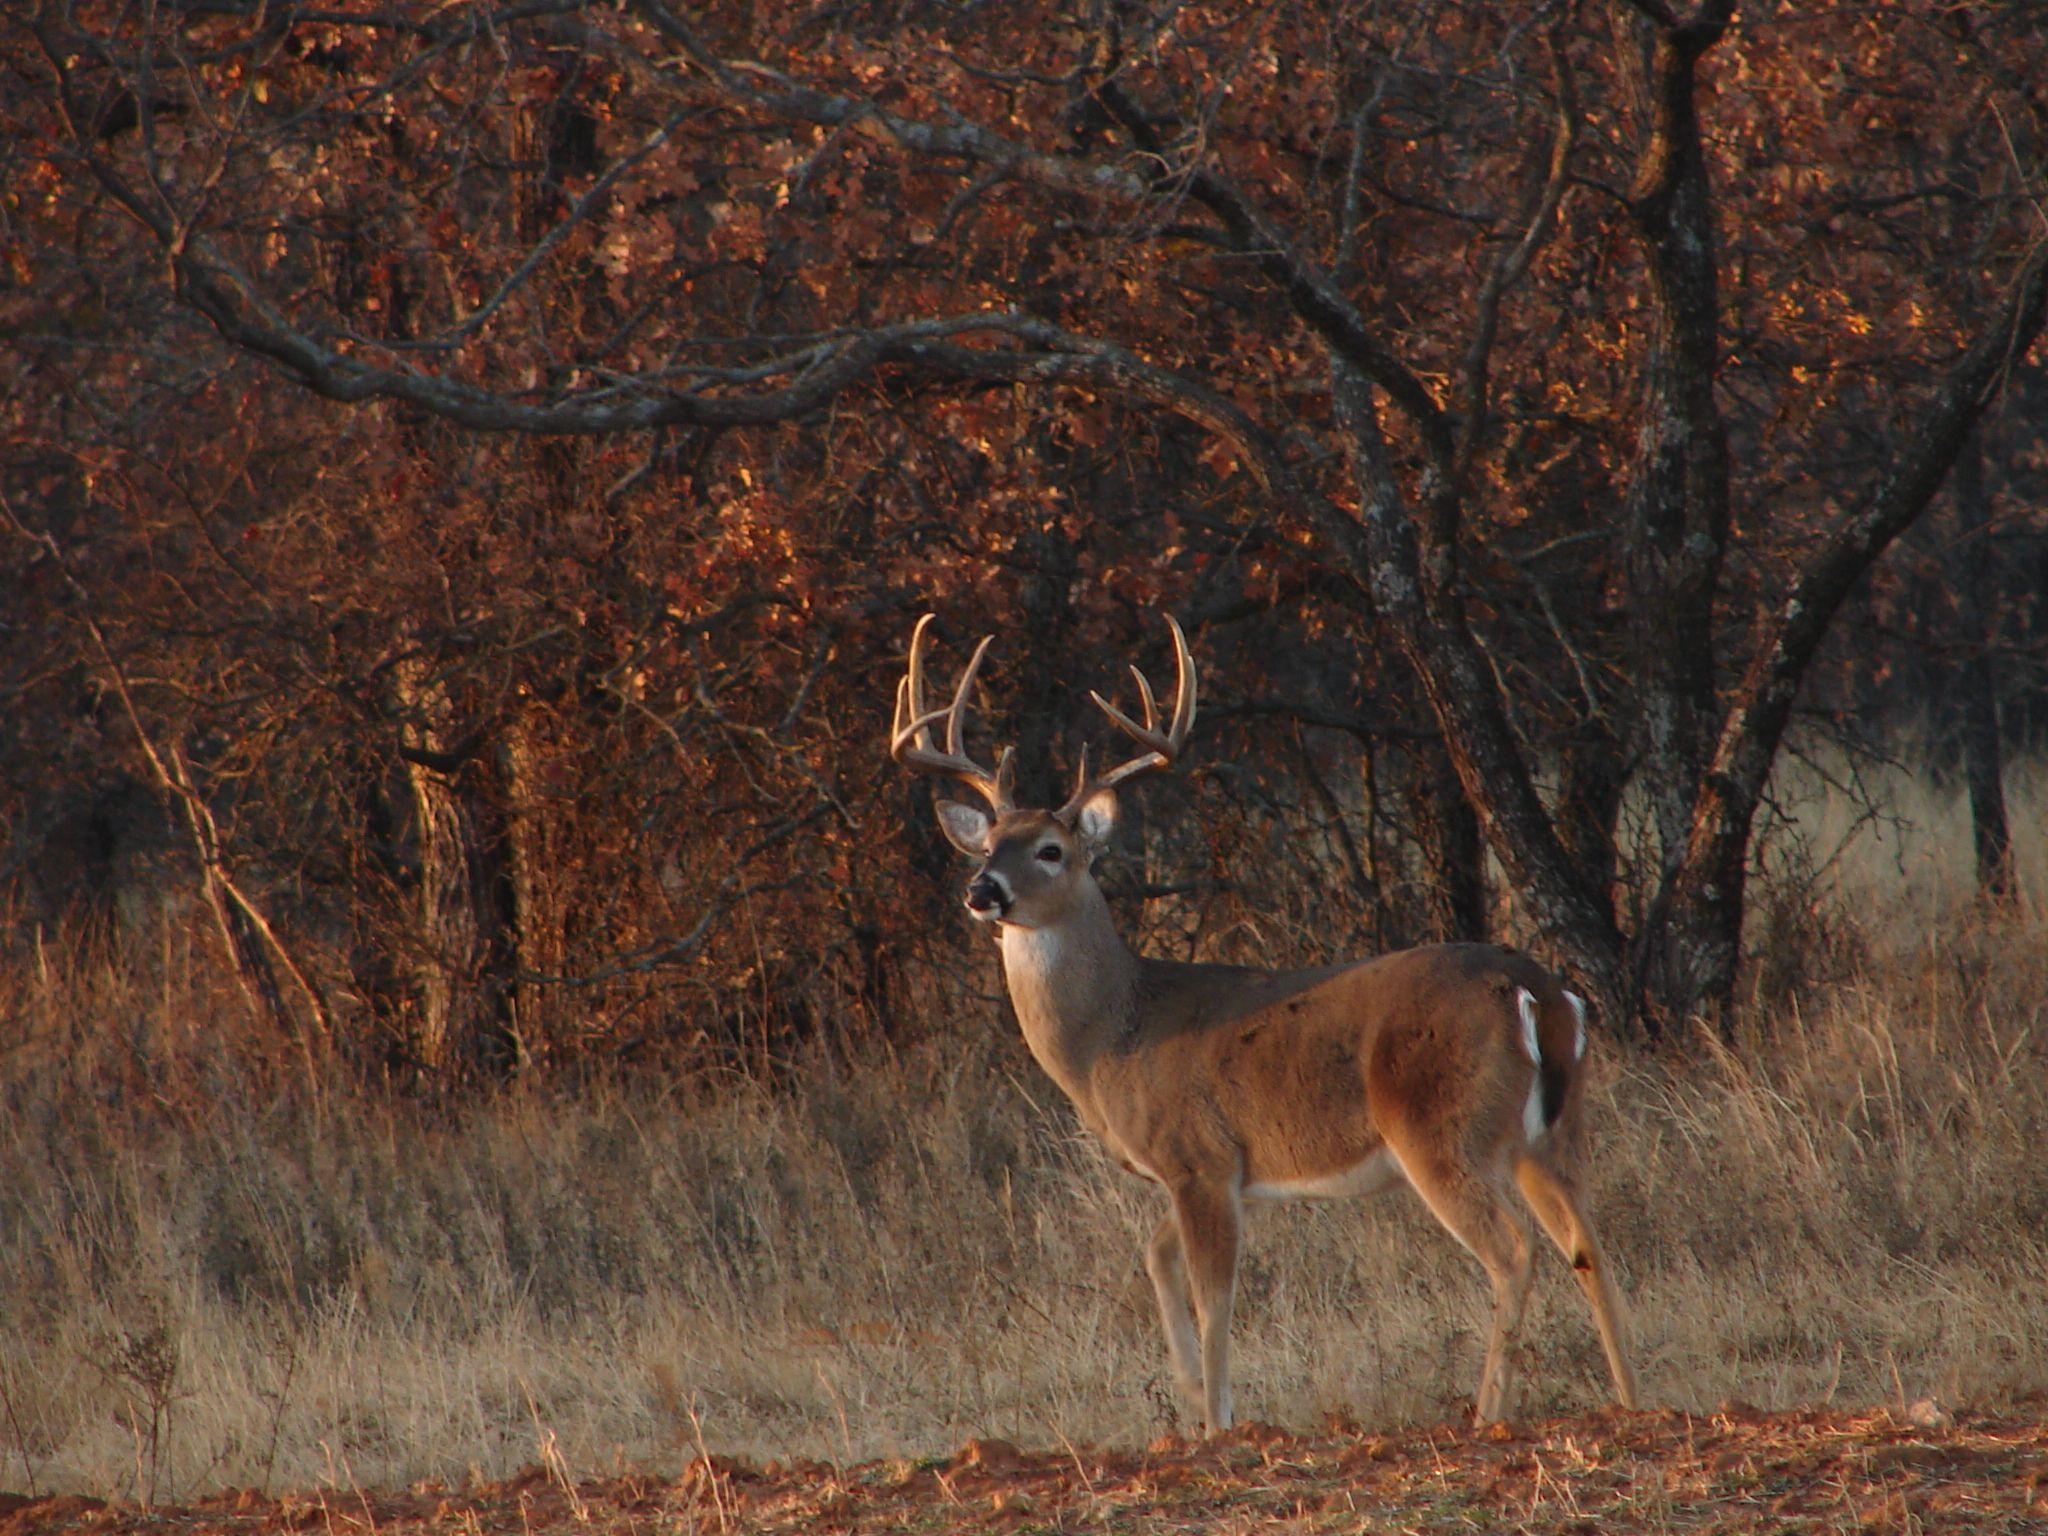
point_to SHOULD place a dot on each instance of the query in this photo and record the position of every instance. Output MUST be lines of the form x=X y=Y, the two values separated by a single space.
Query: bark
x=1045 y=673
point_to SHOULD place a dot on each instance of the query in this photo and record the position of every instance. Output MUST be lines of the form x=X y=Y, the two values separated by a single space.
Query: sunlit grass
x=212 y=1279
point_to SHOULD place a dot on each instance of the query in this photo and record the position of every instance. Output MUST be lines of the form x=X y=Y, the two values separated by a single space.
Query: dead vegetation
x=216 y=1280
x=1734 y=1471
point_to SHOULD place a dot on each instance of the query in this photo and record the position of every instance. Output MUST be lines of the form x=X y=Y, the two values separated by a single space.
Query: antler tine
x=910 y=739
x=1160 y=749
x=955 y=717
x=917 y=721
x=1145 y=697
x=910 y=717
x=913 y=676
x=913 y=719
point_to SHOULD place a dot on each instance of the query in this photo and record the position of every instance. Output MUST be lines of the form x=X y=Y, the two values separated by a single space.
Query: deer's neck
x=1074 y=986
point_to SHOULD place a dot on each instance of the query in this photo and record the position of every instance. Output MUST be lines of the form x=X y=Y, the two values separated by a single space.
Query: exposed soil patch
x=1733 y=1471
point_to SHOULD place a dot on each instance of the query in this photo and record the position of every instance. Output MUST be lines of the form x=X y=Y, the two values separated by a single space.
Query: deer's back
x=1303 y=1075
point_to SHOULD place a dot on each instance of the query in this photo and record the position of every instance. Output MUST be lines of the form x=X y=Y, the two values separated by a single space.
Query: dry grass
x=209 y=1283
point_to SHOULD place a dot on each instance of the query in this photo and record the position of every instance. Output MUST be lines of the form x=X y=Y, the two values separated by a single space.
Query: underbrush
x=212 y=1278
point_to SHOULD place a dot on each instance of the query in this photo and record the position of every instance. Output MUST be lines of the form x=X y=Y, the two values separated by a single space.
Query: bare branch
x=775 y=93
x=579 y=212
x=1510 y=265
x=1314 y=297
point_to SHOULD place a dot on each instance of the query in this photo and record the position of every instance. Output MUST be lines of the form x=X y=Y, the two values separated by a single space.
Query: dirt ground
x=1734 y=1471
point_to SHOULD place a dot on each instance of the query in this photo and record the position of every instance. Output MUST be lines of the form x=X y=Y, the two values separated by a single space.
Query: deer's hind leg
x=1550 y=1195
x=1477 y=1211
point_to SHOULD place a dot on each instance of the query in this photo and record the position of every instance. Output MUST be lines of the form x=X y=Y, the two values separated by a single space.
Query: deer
x=1456 y=1069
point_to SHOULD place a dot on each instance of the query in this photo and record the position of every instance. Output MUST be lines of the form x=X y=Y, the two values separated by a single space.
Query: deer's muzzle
x=988 y=897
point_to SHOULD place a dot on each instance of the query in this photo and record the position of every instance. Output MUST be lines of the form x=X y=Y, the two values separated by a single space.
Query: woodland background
x=470 y=472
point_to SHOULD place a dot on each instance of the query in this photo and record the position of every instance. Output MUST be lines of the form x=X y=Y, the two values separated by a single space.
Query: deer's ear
x=965 y=827
x=1095 y=818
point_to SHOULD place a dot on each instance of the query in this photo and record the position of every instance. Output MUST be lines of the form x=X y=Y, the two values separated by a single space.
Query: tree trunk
x=1676 y=524
x=1709 y=876
x=1590 y=783
x=1983 y=750
x=464 y=1016
x=1452 y=847
x=1685 y=956
x=535 y=920
x=1419 y=603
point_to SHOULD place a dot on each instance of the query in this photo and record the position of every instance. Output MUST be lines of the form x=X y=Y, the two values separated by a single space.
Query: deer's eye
x=1049 y=854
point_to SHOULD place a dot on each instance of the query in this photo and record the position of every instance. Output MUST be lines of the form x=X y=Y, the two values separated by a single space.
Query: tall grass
x=210 y=1280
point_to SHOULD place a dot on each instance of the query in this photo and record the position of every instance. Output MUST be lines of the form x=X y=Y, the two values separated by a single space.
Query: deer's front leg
x=1207 y=1214
x=1169 y=1272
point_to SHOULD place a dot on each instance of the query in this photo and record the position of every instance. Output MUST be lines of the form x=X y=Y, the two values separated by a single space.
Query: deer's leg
x=1480 y=1216
x=1169 y=1272
x=1549 y=1194
x=1207 y=1215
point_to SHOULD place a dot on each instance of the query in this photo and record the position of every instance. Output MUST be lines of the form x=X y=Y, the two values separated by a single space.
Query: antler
x=1160 y=750
x=910 y=737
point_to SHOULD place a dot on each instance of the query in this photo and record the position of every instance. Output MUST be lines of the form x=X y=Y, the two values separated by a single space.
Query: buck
x=1455 y=1067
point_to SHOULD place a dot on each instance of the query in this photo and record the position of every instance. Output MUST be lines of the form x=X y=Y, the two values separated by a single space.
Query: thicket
x=470 y=475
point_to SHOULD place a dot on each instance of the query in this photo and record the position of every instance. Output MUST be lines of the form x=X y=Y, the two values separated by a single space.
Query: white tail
x=1454 y=1068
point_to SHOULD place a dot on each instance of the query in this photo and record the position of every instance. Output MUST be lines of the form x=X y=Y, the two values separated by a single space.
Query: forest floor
x=1734 y=1471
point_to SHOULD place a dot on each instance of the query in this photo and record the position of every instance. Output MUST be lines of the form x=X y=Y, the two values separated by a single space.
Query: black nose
x=985 y=895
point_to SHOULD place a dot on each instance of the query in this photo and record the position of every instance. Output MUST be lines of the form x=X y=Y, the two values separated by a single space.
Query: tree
x=1599 y=352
